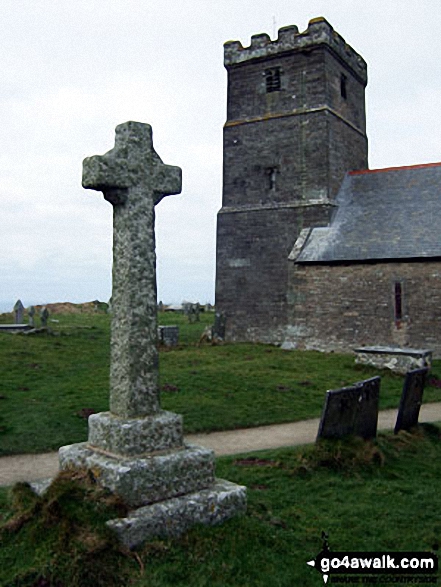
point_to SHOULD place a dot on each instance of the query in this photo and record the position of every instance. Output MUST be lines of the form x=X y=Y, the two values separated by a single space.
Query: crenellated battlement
x=319 y=32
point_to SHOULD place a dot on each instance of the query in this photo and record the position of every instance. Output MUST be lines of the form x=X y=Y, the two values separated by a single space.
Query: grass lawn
x=50 y=383
x=380 y=496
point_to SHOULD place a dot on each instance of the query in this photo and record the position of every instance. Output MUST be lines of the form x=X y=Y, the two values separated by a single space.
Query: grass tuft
x=72 y=545
x=346 y=455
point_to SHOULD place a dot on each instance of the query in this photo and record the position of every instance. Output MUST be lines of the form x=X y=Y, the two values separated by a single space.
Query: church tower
x=295 y=125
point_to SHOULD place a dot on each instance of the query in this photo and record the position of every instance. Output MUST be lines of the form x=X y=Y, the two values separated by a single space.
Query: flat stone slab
x=172 y=517
x=135 y=436
x=15 y=327
x=140 y=481
x=397 y=359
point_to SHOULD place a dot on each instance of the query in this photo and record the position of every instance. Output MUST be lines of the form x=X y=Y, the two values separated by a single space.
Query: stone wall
x=339 y=307
x=252 y=268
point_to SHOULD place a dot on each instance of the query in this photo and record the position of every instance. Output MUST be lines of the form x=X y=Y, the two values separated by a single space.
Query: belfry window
x=343 y=86
x=273 y=80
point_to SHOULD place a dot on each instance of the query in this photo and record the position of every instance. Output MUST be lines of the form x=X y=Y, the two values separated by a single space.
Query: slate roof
x=384 y=214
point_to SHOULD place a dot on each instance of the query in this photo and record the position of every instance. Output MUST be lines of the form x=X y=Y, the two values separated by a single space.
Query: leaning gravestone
x=351 y=411
x=411 y=400
x=137 y=449
x=367 y=415
x=339 y=412
x=18 y=312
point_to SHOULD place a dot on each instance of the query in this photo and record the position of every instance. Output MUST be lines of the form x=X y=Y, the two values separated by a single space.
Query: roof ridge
x=418 y=166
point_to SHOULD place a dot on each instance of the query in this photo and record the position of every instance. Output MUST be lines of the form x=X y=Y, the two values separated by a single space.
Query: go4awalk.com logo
x=411 y=568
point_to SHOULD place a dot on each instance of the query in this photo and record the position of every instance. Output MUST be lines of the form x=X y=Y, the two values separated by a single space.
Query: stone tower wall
x=286 y=150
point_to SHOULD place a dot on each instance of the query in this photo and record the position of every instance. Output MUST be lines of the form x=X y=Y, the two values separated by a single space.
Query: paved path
x=41 y=466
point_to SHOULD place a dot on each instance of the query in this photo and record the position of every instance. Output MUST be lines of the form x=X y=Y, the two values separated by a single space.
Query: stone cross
x=133 y=179
x=18 y=312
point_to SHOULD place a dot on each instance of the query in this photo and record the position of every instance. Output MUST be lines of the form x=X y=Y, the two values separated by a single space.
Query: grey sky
x=71 y=71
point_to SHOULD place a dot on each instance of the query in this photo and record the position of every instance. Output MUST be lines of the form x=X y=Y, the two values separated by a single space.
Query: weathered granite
x=399 y=360
x=133 y=179
x=148 y=479
x=175 y=516
x=136 y=436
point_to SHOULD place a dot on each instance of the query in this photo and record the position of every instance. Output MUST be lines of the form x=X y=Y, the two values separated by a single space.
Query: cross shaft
x=133 y=179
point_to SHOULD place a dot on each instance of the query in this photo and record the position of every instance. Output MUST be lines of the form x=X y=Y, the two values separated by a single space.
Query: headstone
x=351 y=411
x=411 y=400
x=31 y=314
x=220 y=322
x=44 y=317
x=367 y=416
x=339 y=412
x=168 y=335
x=18 y=312
x=137 y=449
x=192 y=311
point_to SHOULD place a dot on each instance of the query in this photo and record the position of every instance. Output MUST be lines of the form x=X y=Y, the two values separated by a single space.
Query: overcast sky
x=70 y=71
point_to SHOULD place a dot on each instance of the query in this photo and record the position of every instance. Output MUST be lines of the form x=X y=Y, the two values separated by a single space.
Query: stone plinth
x=136 y=436
x=211 y=506
x=399 y=360
x=148 y=479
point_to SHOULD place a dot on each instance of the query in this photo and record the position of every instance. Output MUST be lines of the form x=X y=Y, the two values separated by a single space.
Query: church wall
x=340 y=307
x=252 y=268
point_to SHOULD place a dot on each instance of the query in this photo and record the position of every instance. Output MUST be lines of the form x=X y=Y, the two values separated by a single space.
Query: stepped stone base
x=172 y=517
x=169 y=485
x=143 y=480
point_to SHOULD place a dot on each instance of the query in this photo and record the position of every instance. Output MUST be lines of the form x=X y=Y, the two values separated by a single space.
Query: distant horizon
x=7 y=306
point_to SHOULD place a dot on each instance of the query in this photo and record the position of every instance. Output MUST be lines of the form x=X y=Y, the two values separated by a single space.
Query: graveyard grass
x=52 y=382
x=373 y=496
